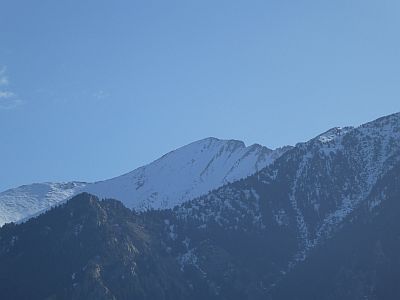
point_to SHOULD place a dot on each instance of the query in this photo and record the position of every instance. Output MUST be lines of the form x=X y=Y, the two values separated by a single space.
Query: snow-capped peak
x=176 y=177
x=185 y=173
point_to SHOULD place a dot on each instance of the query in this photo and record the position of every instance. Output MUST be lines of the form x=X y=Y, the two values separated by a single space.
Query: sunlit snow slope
x=186 y=173
x=178 y=176
x=28 y=200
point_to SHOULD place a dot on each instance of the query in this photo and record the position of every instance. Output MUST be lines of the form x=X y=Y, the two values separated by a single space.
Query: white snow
x=29 y=200
x=378 y=142
x=177 y=177
x=185 y=174
x=304 y=235
x=333 y=134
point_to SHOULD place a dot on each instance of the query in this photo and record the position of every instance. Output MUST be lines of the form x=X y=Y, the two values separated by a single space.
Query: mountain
x=86 y=249
x=362 y=260
x=186 y=173
x=178 y=176
x=29 y=200
x=307 y=194
x=320 y=222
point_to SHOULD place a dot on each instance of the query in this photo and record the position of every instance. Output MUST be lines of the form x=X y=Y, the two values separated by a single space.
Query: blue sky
x=93 y=89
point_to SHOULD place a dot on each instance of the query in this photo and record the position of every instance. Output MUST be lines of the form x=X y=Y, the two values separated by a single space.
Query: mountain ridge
x=249 y=160
x=177 y=176
x=329 y=205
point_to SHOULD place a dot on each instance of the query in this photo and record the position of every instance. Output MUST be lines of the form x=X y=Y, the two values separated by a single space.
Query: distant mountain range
x=314 y=221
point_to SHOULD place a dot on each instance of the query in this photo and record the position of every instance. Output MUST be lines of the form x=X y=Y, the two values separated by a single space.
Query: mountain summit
x=176 y=177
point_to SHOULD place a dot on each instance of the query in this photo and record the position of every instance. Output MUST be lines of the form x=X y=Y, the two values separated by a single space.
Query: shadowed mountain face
x=362 y=261
x=320 y=222
x=87 y=249
x=91 y=249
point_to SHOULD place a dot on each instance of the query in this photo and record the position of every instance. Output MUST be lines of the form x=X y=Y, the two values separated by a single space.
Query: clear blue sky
x=93 y=89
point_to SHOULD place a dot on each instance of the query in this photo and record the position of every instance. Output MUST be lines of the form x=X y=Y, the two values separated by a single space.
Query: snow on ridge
x=29 y=200
x=333 y=134
x=185 y=173
x=194 y=170
x=176 y=177
x=371 y=147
